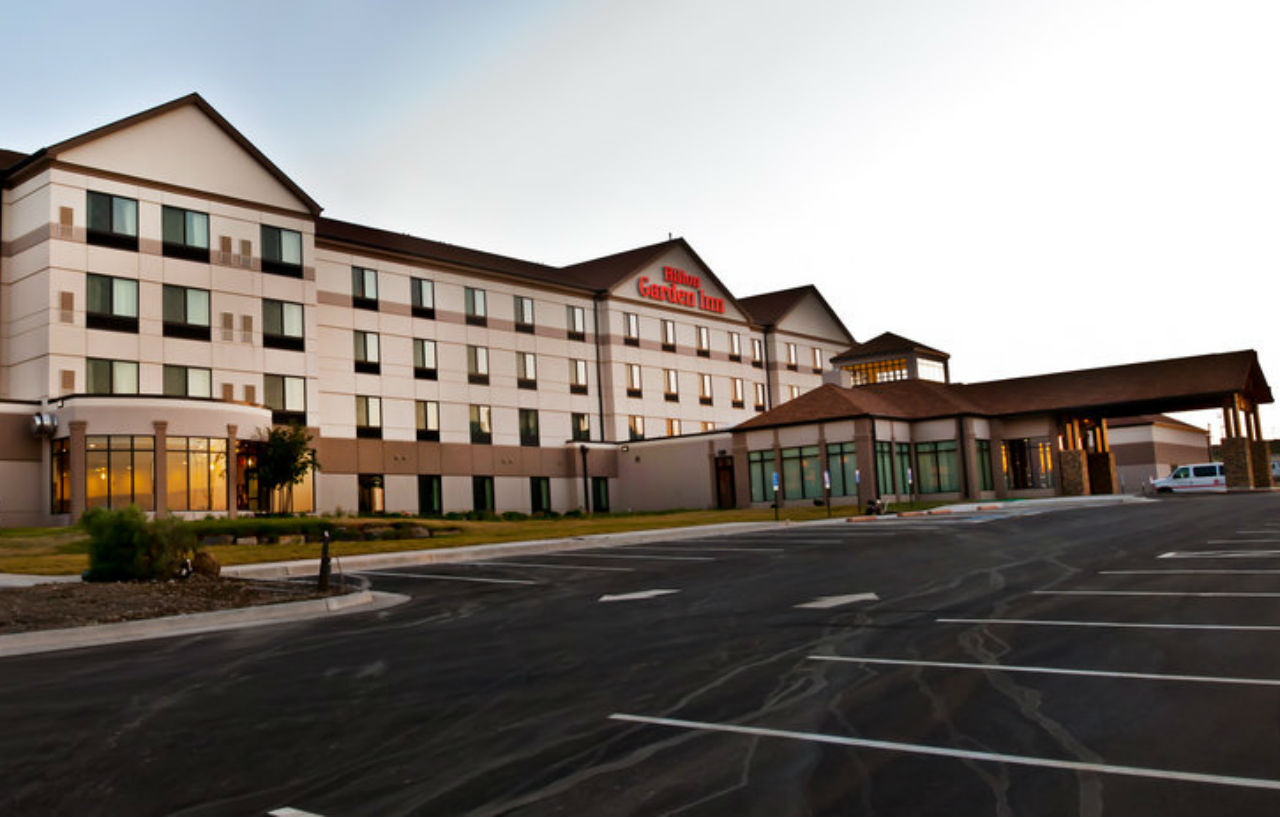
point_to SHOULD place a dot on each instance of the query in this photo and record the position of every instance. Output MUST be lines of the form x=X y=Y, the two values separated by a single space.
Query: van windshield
x=1181 y=473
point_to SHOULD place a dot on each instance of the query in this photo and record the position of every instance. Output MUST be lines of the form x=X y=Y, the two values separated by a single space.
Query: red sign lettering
x=672 y=293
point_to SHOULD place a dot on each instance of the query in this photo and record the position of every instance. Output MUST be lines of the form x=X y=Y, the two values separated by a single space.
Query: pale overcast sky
x=1030 y=186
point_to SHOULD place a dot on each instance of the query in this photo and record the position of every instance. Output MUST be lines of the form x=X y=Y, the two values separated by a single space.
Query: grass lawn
x=51 y=551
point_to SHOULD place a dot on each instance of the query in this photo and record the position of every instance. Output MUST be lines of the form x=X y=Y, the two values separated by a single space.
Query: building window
x=478 y=365
x=801 y=472
x=600 y=494
x=430 y=497
x=187 y=381
x=539 y=494
x=793 y=392
x=842 y=465
x=60 y=475
x=529 y=427
x=704 y=389
x=474 y=306
x=934 y=370
x=120 y=471
x=633 y=380
x=735 y=347
x=367 y=357
x=110 y=376
x=364 y=288
x=185 y=233
x=1027 y=463
x=581 y=427
x=738 y=393
x=670 y=385
x=196 y=473
x=282 y=325
x=524 y=314
x=668 y=336
x=760 y=465
x=368 y=417
x=673 y=427
x=635 y=427
x=757 y=352
x=371 y=493
x=904 y=476
x=111 y=303
x=630 y=328
x=881 y=371
x=704 y=342
x=186 y=312
x=481 y=425
x=707 y=425
x=576 y=321
x=424 y=359
x=791 y=357
x=286 y=396
x=482 y=494
x=985 y=480
x=526 y=370
x=113 y=221
x=282 y=251
x=758 y=389
x=936 y=471
x=422 y=293
x=578 y=376
x=427 y=420
x=817 y=360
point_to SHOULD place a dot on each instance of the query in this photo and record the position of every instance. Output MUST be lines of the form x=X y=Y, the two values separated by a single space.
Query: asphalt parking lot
x=1113 y=660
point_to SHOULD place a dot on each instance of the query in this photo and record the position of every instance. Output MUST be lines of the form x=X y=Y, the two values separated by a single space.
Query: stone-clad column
x=865 y=451
x=1237 y=461
x=76 y=466
x=233 y=477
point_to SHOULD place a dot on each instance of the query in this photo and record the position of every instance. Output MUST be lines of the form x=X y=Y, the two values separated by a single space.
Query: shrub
x=123 y=546
x=576 y=513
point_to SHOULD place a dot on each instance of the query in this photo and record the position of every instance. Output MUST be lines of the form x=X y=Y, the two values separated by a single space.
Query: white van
x=1201 y=476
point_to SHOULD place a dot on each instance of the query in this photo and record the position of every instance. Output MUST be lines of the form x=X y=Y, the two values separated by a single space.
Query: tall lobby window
x=282 y=325
x=368 y=360
x=481 y=425
x=539 y=494
x=120 y=471
x=60 y=475
x=529 y=427
x=633 y=380
x=630 y=328
x=673 y=427
x=282 y=251
x=758 y=389
x=187 y=381
x=905 y=479
x=578 y=376
x=580 y=424
x=791 y=356
x=738 y=393
x=704 y=389
x=817 y=360
x=801 y=472
x=576 y=321
x=478 y=365
x=760 y=466
x=670 y=386
x=600 y=494
x=427 y=420
x=197 y=473
x=424 y=359
x=286 y=396
x=526 y=370
x=430 y=495
x=986 y=482
x=704 y=342
x=482 y=494
x=635 y=427
x=185 y=233
x=113 y=221
x=735 y=347
x=111 y=303
x=757 y=352
x=364 y=288
x=422 y=294
x=524 y=314
x=186 y=312
x=370 y=493
x=473 y=305
x=934 y=370
x=110 y=376
x=668 y=336
x=879 y=371
x=936 y=470
x=884 y=468
x=368 y=417
x=842 y=464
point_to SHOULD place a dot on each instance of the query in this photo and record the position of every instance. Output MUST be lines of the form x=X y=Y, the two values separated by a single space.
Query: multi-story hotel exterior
x=167 y=293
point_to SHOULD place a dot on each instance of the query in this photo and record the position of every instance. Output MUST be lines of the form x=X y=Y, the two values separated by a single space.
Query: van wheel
x=1164 y=490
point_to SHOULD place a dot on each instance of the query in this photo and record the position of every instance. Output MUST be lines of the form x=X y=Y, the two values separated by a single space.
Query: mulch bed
x=76 y=604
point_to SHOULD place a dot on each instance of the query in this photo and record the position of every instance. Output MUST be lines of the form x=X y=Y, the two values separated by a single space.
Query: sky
x=1032 y=187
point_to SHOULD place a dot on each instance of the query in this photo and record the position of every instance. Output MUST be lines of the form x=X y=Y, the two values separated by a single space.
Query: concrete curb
x=195 y=623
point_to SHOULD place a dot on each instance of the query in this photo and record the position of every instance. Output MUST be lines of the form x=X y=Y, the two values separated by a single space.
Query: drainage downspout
x=768 y=379
x=595 y=317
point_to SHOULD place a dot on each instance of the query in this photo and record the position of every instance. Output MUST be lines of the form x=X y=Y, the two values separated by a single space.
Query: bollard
x=324 y=561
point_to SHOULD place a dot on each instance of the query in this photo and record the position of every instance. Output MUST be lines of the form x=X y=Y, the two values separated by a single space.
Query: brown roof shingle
x=887 y=343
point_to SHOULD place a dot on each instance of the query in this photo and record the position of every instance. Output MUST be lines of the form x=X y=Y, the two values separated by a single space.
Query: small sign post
x=826 y=488
x=775 y=496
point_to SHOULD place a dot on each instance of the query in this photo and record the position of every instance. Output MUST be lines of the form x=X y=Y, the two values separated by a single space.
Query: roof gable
x=887 y=343
x=801 y=309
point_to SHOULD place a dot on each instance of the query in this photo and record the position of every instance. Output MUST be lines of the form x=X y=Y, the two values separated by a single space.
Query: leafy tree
x=285 y=460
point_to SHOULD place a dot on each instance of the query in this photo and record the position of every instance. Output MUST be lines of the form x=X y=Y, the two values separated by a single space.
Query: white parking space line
x=553 y=567
x=292 y=812
x=633 y=556
x=1145 y=676
x=1199 y=595
x=639 y=595
x=827 y=602
x=1257 y=628
x=966 y=754
x=1188 y=572
x=1220 y=554
x=442 y=576
x=680 y=549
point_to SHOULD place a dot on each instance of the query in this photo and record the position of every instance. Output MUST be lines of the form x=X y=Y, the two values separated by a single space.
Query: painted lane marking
x=827 y=602
x=443 y=576
x=553 y=567
x=1262 y=628
x=1220 y=554
x=292 y=812
x=966 y=754
x=1189 y=572
x=679 y=549
x=1148 y=676
x=638 y=596
x=636 y=556
x=1199 y=595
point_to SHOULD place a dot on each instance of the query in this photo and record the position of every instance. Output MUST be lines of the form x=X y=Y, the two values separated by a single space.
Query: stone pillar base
x=1261 y=457
x=1075 y=473
x=1237 y=462
x=1102 y=473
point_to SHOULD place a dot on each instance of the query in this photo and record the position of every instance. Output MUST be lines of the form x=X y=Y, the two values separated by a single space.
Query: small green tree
x=285 y=460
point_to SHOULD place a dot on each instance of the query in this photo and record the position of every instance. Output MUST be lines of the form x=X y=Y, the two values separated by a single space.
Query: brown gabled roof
x=604 y=273
x=902 y=400
x=769 y=308
x=9 y=158
x=51 y=152
x=887 y=343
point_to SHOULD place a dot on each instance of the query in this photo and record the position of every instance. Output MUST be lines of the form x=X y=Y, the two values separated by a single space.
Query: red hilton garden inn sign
x=672 y=293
